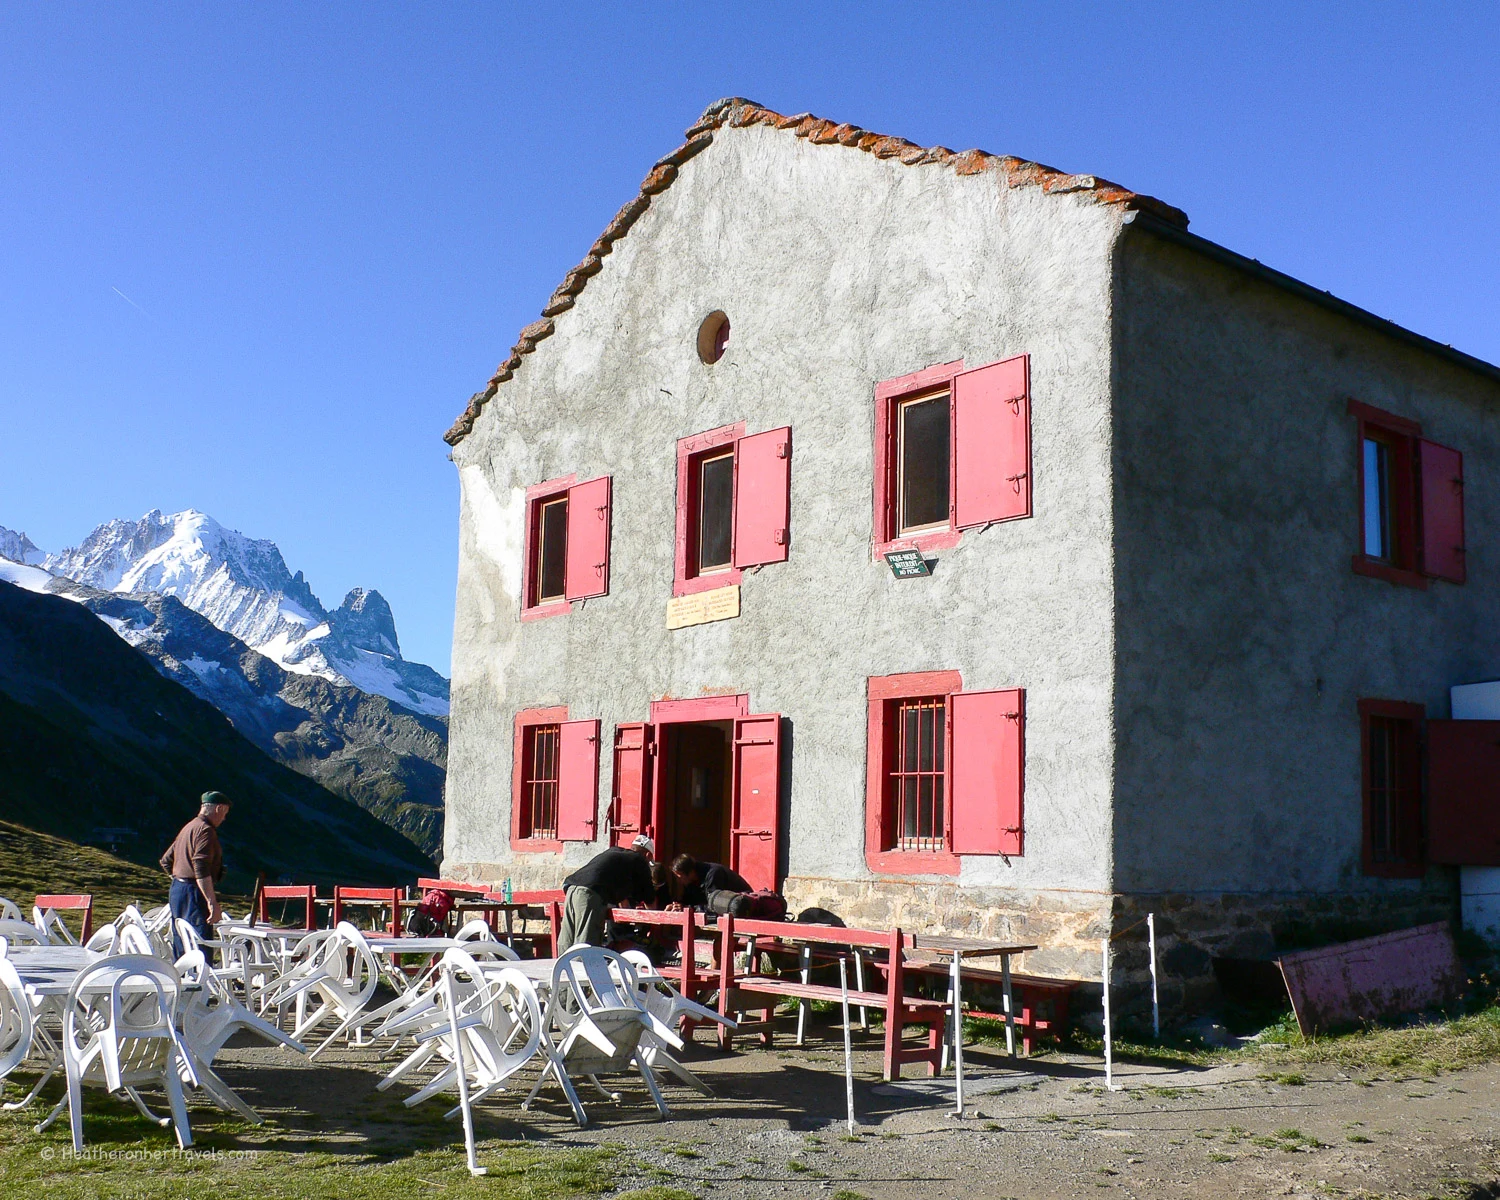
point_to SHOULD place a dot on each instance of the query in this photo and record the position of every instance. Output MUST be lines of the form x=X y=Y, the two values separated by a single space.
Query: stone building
x=1189 y=571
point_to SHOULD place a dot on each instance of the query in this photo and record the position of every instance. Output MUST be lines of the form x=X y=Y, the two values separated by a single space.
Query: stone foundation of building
x=1067 y=927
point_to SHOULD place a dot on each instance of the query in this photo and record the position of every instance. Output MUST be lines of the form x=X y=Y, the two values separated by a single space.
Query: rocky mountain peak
x=19 y=548
x=364 y=621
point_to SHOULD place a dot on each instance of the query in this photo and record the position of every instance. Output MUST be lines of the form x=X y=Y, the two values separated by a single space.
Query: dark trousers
x=186 y=901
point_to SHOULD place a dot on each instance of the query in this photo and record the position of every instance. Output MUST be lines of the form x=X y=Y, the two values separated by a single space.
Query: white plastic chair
x=209 y=1016
x=340 y=971
x=23 y=933
x=593 y=1006
x=669 y=1007
x=487 y=1027
x=135 y=940
x=121 y=1038
x=15 y=1019
x=9 y=911
x=104 y=939
x=52 y=925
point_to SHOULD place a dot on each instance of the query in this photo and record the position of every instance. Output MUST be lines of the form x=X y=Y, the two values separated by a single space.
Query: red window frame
x=881 y=844
x=528 y=720
x=1408 y=858
x=536 y=496
x=1400 y=436
x=888 y=397
x=691 y=451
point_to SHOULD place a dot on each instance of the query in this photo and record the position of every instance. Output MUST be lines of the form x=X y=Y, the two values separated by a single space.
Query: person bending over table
x=614 y=877
x=195 y=861
x=710 y=886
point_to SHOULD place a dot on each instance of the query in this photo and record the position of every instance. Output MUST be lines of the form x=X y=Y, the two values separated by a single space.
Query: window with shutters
x=952 y=452
x=554 y=781
x=567 y=545
x=1390 y=747
x=733 y=505
x=946 y=772
x=535 y=778
x=1410 y=497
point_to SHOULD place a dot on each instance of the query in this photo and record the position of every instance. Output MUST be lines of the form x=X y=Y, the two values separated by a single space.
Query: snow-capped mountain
x=17 y=547
x=243 y=586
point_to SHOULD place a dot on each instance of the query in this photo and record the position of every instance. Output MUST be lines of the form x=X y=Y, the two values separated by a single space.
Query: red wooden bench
x=550 y=902
x=388 y=897
x=79 y=902
x=305 y=893
x=900 y=1009
x=1041 y=1004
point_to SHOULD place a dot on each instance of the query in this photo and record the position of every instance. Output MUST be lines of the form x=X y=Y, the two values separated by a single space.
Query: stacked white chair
x=486 y=1026
x=9 y=911
x=668 y=1006
x=209 y=1016
x=16 y=1019
x=599 y=1021
x=338 y=971
x=120 y=1033
x=52 y=925
x=23 y=933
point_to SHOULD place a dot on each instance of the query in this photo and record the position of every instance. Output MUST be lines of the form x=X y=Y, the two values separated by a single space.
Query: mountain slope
x=92 y=735
x=362 y=747
x=243 y=586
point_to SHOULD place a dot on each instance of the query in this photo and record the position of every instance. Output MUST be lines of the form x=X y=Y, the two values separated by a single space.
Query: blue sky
x=254 y=259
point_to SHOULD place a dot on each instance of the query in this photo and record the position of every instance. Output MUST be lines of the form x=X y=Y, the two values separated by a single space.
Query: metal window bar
x=1389 y=772
x=541 y=781
x=918 y=774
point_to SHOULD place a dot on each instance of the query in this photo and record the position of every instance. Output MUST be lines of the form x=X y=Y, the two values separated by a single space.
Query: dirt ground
x=1043 y=1127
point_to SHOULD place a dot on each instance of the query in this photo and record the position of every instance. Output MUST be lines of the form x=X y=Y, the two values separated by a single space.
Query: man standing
x=616 y=876
x=195 y=862
x=710 y=886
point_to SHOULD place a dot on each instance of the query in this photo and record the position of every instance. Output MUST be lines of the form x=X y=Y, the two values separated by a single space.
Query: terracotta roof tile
x=739 y=113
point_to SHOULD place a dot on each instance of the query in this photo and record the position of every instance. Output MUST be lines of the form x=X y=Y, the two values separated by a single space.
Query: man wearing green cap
x=195 y=862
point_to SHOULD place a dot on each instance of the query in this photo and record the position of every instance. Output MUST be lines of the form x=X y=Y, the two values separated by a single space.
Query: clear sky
x=255 y=258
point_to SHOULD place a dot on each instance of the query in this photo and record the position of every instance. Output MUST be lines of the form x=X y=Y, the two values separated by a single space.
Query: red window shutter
x=762 y=497
x=755 y=835
x=1463 y=793
x=577 y=780
x=1442 y=473
x=987 y=771
x=588 y=539
x=632 y=785
x=992 y=443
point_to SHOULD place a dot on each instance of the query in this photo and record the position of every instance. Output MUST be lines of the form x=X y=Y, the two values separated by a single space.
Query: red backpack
x=431 y=916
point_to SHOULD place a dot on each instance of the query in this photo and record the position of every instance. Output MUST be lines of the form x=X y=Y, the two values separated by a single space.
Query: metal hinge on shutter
x=780 y=537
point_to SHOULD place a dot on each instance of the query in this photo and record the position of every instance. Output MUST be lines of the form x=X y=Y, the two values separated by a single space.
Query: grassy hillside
x=32 y=863
x=92 y=737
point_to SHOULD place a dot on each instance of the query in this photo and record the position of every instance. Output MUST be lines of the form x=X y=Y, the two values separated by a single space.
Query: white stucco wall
x=837 y=270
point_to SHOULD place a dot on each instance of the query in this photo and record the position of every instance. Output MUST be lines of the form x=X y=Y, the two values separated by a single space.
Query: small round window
x=713 y=337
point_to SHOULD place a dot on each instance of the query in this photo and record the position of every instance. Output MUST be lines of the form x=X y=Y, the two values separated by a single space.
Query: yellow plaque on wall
x=703 y=607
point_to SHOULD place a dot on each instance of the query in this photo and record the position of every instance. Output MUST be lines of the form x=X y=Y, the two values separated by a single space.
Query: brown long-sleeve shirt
x=195 y=853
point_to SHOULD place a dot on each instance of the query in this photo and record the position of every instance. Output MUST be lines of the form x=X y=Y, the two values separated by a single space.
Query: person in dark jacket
x=710 y=886
x=615 y=876
x=195 y=862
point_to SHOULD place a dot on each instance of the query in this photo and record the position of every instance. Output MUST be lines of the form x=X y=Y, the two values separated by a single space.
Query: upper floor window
x=567 y=545
x=923 y=463
x=1411 y=502
x=733 y=505
x=952 y=451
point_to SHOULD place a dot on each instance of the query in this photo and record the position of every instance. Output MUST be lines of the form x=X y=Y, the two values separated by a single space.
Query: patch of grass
x=1218 y=1156
x=1049 y=1118
x=798 y=1167
x=1289 y=1078
x=846 y=1194
x=1357 y=1137
x=657 y=1193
